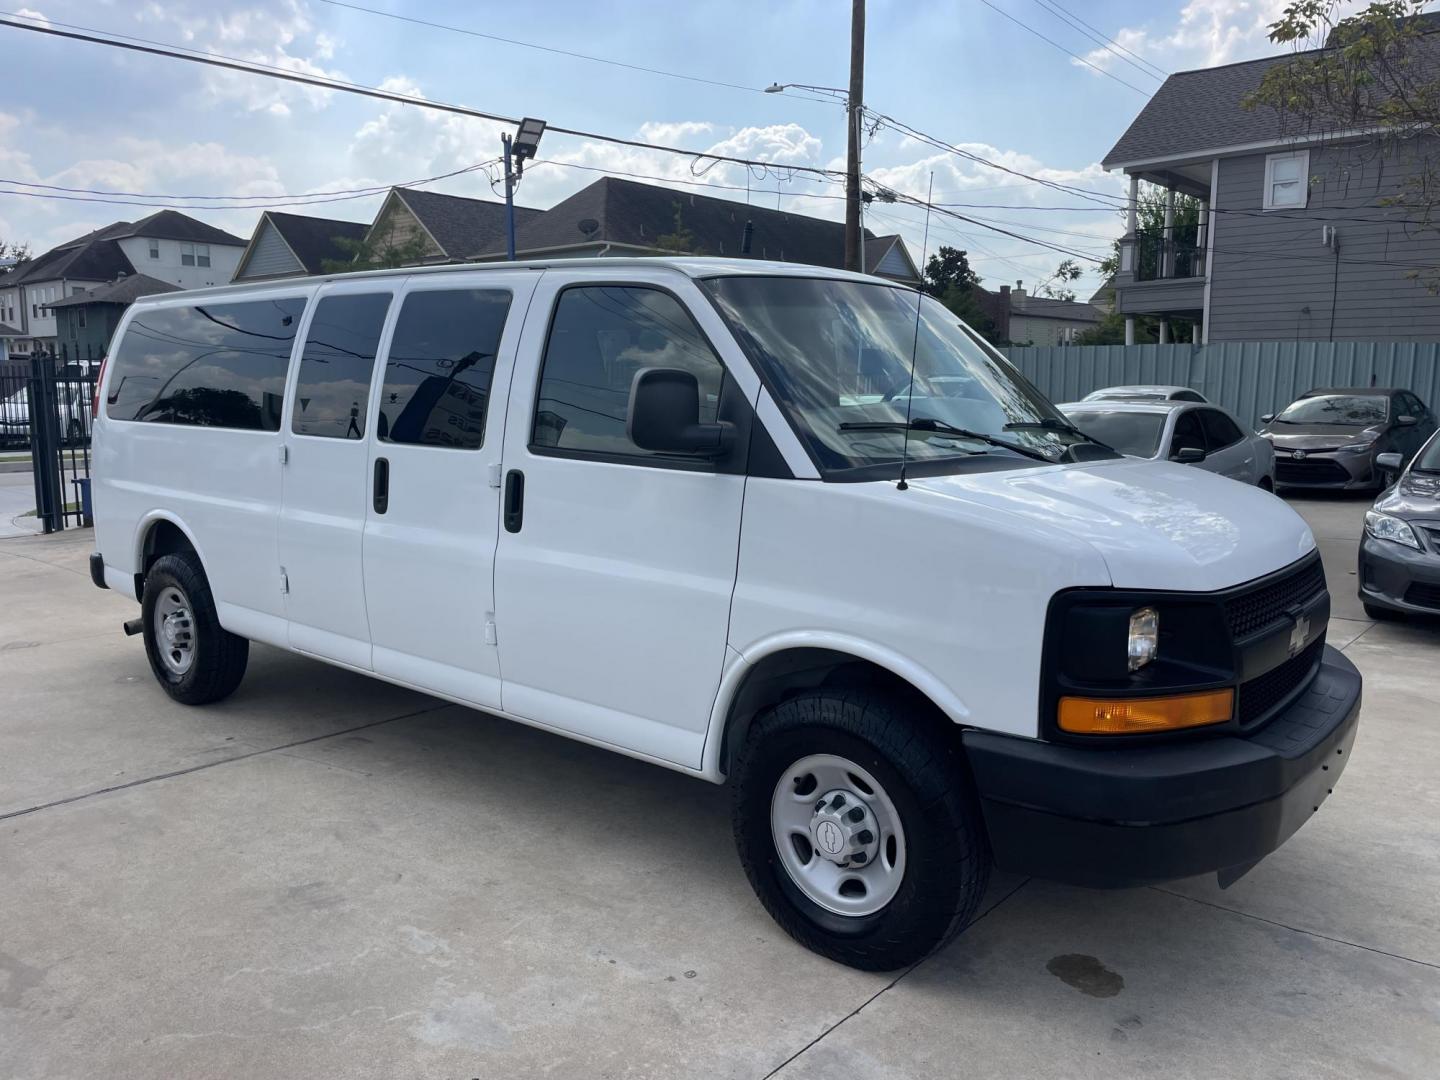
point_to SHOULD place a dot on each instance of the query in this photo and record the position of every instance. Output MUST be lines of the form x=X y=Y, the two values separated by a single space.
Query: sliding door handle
x=382 y=485
x=514 y=500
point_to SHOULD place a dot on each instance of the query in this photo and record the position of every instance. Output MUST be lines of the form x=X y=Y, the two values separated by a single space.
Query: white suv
x=759 y=523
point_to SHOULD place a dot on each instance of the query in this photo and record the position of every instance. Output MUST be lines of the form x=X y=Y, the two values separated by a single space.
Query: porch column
x=1129 y=329
x=1204 y=227
x=1132 y=210
x=1167 y=257
x=1195 y=333
x=1164 y=331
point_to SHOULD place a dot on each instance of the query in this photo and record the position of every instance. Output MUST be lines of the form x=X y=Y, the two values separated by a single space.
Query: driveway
x=328 y=876
x=17 y=499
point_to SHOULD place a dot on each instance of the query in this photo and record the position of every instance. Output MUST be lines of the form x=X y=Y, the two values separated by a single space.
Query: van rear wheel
x=858 y=827
x=193 y=657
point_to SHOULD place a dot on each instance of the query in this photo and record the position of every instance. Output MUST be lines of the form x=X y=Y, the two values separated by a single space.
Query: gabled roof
x=98 y=260
x=121 y=291
x=462 y=227
x=312 y=240
x=1195 y=112
x=630 y=214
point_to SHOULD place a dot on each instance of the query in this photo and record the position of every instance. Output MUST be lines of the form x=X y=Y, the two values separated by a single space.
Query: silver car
x=1146 y=392
x=1189 y=432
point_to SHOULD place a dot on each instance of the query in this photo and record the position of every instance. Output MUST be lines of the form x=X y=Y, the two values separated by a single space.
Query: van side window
x=599 y=338
x=216 y=365
x=437 y=376
x=332 y=391
x=1220 y=430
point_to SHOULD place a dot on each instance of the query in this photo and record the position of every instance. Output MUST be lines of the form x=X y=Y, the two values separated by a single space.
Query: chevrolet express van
x=792 y=529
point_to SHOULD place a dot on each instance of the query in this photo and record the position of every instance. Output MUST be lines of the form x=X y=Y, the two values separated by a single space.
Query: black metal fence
x=47 y=411
x=1187 y=259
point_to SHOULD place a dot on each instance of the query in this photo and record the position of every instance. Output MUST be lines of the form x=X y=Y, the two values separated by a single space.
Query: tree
x=1375 y=73
x=1056 y=286
x=681 y=241
x=377 y=252
x=949 y=268
x=10 y=250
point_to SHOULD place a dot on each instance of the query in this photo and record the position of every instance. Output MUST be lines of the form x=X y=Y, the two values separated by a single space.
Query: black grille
x=1268 y=604
x=1309 y=471
x=1262 y=694
x=1422 y=595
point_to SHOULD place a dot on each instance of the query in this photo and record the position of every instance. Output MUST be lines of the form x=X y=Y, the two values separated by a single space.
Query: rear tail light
x=95 y=394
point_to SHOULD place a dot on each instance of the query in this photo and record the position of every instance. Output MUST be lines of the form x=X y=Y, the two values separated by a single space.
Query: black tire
x=1380 y=614
x=75 y=433
x=1266 y=485
x=947 y=857
x=219 y=657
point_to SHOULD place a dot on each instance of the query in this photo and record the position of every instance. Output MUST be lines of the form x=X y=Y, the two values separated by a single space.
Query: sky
x=975 y=74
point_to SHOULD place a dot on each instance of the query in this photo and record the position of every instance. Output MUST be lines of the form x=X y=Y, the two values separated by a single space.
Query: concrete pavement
x=329 y=876
x=17 y=498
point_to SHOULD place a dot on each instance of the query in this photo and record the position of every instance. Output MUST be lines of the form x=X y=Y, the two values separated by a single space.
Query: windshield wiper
x=940 y=427
x=1051 y=423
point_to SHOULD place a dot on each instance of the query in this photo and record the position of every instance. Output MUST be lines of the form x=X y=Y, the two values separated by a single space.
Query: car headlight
x=1355 y=447
x=1384 y=527
x=1144 y=636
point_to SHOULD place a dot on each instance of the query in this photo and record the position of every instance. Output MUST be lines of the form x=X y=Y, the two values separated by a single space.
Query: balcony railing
x=1186 y=259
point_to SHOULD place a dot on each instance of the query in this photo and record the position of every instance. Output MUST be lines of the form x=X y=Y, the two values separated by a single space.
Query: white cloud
x=670 y=132
x=33 y=15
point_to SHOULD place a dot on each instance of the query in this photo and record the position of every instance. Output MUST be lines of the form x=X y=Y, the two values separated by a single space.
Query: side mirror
x=1391 y=462
x=664 y=415
x=1188 y=455
x=1265 y=418
x=1406 y=421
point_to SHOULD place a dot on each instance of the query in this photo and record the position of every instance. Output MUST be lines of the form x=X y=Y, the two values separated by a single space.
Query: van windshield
x=837 y=357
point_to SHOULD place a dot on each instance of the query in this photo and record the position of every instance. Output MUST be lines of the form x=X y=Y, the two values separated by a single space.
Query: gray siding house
x=1295 y=241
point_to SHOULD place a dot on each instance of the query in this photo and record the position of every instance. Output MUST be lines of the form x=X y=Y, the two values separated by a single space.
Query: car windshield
x=837 y=355
x=1347 y=410
x=1428 y=460
x=1136 y=433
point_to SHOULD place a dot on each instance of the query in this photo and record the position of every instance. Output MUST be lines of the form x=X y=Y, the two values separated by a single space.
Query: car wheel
x=194 y=658
x=1381 y=614
x=858 y=827
x=1266 y=484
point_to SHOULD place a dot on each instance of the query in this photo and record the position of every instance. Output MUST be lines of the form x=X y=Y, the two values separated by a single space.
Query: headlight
x=1382 y=527
x=1144 y=636
x=1355 y=447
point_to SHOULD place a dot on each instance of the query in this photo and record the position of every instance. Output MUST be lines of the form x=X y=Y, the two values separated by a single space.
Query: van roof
x=691 y=266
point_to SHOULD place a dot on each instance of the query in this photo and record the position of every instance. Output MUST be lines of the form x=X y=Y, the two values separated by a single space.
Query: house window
x=194 y=254
x=80 y=316
x=1287 y=180
x=155 y=249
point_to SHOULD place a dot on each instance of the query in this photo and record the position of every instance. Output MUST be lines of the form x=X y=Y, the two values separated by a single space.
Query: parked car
x=73 y=392
x=1332 y=438
x=1400 y=551
x=1146 y=392
x=675 y=508
x=1205 y=436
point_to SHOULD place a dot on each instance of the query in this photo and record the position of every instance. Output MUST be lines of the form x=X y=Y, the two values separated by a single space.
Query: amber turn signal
x=1140 y=716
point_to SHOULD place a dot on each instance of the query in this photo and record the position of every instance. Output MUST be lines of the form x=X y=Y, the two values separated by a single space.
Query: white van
x=760 y=523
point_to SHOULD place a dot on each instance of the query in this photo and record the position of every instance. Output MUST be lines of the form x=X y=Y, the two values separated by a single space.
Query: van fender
x=739 y=664
x=142 y=529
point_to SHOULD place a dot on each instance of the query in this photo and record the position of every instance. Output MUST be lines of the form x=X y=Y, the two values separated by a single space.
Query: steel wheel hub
x=838 y=835
x=174 y=631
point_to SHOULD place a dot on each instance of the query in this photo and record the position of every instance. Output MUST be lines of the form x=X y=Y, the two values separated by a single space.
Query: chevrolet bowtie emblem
x=1299 y=635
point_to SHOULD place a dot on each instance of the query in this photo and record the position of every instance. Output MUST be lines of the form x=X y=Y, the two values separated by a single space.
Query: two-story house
x=168 y=246
x=1298 y=238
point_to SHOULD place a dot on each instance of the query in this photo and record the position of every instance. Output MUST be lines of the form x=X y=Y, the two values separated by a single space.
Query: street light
x=518 y=150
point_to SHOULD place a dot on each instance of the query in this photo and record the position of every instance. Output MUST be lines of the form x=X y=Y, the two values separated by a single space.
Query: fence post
x=45 y=443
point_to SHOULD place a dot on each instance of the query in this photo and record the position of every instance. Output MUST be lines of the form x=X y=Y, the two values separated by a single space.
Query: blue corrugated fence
x=1248 y=378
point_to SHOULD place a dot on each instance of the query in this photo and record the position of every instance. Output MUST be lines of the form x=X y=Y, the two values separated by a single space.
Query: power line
x=1161 y=71
x=1103 y=42
x=1067 y=52
x=547 y=48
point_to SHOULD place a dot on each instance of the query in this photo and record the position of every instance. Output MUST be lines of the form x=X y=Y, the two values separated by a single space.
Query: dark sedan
x=1400 y=552
x=1331 y=438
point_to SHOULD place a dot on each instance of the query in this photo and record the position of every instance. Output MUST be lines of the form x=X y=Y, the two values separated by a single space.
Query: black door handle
x=514 y=500
x=382 y=485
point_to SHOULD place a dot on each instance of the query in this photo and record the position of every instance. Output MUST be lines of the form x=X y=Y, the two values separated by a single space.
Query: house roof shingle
x=1198 y=111
x=98 y=260
x=124 y=290
x=462 y=227
x=314 y=240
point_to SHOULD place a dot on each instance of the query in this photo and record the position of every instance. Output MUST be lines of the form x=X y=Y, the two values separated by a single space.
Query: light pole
x=517 y=151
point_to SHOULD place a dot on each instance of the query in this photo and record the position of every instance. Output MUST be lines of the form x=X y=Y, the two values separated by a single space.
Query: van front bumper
x=1138 y=815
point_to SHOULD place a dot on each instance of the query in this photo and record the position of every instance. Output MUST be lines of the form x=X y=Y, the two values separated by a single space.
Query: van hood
x=1156 y=525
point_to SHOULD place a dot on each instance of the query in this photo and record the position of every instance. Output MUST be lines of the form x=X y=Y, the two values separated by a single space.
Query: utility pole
x=855 y=119
x=509 y=201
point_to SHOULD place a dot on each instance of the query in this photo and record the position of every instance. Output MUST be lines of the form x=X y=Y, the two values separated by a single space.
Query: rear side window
x=1187 y=395
x=216 y=365
x=1220 y=430
x=332 y=391
x=437 y=376
x=599 y=338
x=1188 y=433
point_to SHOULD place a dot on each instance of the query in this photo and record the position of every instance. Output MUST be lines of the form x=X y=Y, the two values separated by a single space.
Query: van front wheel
x=858 y=827
x=194 y=658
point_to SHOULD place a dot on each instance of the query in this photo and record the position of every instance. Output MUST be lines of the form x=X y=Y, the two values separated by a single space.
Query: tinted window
x=1347 y=410
x=1187 y=395
x=1188 y=433
x=599 y=338
x=437 y=376
x=220 y=365
x=333 y=389
x=1220 y=430
x=1136 y=433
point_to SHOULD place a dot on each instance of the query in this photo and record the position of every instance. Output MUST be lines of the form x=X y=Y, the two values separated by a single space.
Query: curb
x=14 y=466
